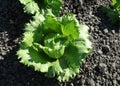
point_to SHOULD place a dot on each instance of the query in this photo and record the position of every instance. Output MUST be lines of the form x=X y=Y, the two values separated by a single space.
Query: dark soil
x=102 y=66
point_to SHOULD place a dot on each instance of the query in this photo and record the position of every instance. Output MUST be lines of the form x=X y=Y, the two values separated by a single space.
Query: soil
x=101 y=67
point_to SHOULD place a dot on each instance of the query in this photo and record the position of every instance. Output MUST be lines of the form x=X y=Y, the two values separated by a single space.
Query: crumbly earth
x=101 y=67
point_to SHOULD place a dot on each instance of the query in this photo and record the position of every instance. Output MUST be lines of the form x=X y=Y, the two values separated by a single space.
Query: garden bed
x=101 y=67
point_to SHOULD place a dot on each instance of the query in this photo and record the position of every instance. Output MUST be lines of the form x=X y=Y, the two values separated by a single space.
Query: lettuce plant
x=54 y=45
x=34 y=6
x=113 y=12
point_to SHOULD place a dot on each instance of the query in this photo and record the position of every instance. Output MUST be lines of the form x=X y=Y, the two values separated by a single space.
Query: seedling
x=113 y=12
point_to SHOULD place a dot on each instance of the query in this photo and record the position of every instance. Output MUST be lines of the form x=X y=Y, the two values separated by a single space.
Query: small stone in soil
x=105 y=30
x=1 y=58
x=100 y=52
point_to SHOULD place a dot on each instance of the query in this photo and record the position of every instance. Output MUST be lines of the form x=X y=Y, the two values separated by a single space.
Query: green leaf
x=55 y=5
x=51 y=24
x=65 y=72
x=25 y=1
x=31 y=57
x=69 y=27
x=28 y=38
x=38 y=19
x=72 y=56
x=114 y=2
x=31 y=7
x=83 y=43
x=68 y=73
x=54 y=45
x=55 y=69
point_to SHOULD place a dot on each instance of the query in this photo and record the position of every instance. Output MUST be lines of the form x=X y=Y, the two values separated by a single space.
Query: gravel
x=101 y=67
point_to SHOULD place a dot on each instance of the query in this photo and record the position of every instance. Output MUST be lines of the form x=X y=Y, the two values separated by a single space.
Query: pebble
x=114 y=82
x=71 y=84
x=113 y=31
x=3 y=53
x=100 y=51
x=97 y=84
x=105 y=30
x=102 y=68
x=1 y=58
x=92 y=83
